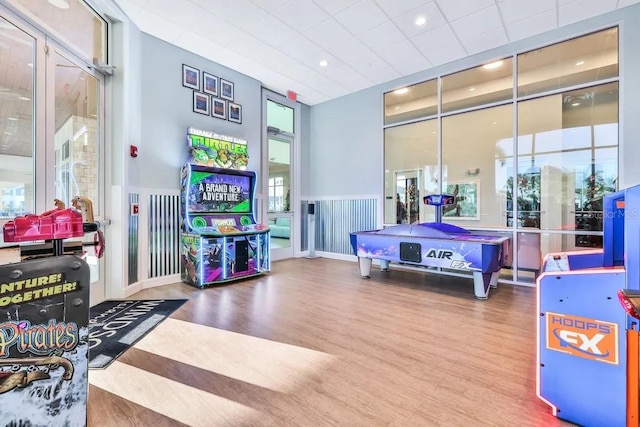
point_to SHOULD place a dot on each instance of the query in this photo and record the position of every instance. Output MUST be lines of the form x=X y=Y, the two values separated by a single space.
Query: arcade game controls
x=436 y=245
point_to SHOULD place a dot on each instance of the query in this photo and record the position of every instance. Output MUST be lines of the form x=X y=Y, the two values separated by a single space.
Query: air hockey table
x=435 y=244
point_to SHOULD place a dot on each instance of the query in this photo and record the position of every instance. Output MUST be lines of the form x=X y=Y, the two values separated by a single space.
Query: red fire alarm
x=292 y=95
x=133 y=151
x=134 y=209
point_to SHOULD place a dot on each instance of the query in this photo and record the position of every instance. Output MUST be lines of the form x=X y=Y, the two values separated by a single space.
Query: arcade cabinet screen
x=215 y=192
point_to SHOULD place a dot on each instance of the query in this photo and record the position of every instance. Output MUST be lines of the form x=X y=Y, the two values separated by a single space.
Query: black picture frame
x=201 y=103
x=210 y=83
x=235 y=113
x=190 y=77
x=219 y=108
x=226 y=89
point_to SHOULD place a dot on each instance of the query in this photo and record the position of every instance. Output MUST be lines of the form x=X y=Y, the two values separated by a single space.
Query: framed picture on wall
x=226 y=89
x=219 y=108
x=190 y=77
x=201 y=103
x=209 y=83
x=235 y=112
x=467 y=196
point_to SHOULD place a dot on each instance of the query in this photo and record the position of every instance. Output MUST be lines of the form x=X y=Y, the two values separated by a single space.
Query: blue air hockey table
x=436 y=244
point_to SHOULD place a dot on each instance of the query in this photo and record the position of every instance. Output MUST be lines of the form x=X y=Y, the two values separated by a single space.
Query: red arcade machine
x=221 y=240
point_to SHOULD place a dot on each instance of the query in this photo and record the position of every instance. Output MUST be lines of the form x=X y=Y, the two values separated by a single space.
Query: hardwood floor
x=313 y=344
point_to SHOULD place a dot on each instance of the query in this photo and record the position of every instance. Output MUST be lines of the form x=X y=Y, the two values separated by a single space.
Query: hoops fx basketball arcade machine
x=221 y=240
x=587 y=346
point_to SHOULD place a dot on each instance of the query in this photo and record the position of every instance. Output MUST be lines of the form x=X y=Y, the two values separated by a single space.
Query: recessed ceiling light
x=62 y=4
x=580 y=63
x=397 y=108
x=13 y=119
x=323 y=63
x=420 y=21
x=24 y=98
x=575 y=104
x=401 y=91
x=471 y=89
x=492 y=65
x=495 y=123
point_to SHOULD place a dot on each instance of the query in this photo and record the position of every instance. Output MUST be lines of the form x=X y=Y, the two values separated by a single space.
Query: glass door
x=76 y=147
x=279 y=196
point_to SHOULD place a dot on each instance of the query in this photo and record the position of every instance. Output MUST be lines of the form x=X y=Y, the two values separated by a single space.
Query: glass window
x=280 y=116
x=533 y=247
x=582 y=60
x=279 y=175
x=411 y=102
x=73 y=21
x=77 y=133
x=477 y=164
x=488 y=83
x=16 y=121
x=567 y=159
x=411 y=171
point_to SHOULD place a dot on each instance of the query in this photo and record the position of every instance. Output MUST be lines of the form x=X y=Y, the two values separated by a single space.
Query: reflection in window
x=411 y=164
x=476 y=168
x=488 y=83
x=582 y=60
x=16 y=121
x=73 y=21
x=280 y=116
x=567 y=160
x=276 y=194
x=411 y=102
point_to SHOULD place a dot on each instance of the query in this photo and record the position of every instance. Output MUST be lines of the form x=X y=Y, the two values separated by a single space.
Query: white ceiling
x=365 y=42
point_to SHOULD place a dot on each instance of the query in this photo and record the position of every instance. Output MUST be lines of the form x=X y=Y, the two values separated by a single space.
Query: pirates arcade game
x=435 y=244
x=587 y=346
x=220 y=238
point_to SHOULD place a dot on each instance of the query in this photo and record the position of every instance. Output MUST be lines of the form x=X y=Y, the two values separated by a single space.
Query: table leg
x=365 y=267
x=384 y=264
x=482 y=282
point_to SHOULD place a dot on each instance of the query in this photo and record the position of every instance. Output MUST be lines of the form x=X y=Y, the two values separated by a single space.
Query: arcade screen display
x=216 y=192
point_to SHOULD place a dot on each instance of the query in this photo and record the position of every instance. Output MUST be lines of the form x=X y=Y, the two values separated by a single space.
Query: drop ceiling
x=364 y=42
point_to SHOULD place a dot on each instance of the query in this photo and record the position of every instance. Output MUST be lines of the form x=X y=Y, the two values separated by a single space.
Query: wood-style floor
x=313 y=344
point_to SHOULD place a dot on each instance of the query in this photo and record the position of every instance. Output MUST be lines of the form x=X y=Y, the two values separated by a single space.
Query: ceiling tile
x=273 y=31
x=382 y=36
x=334 y=6
x=301 y=14
x=440 y=37
x=300 y=48
x=395 y=8
x=371 y=66
x=444 y=55
x=583 y=9
x=183 y=16
x=326 y=85
x=480 y=22
x=528 y=27
x=485 y=41
x=297 y=71
x=348 y=77
x=383 y=74
x=456 y=9
x=130 y=8
x=350 y=49
x=241 y=13
x=197 y=44
x=328 y=33
x=221 y=32
x=406 y=22
x=625 y=3
x=269 y=5
x=516 y=10
x=405 y=58
x=313 y=61
x=159 y=27
x=361 y=17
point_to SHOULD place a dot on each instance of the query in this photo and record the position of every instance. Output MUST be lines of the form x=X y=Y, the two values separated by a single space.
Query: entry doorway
x=279 y=208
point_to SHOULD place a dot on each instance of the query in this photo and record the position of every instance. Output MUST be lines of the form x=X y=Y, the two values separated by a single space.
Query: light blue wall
x=168 y=112
x=346 y=133
x=305 y=135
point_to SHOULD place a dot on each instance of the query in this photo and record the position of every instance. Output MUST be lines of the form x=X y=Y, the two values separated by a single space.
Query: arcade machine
x=220 y=239
x=44 y=318
x=587 y=347
x=436 y=244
